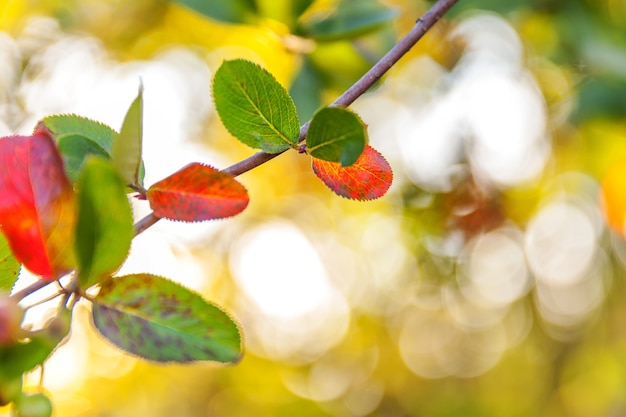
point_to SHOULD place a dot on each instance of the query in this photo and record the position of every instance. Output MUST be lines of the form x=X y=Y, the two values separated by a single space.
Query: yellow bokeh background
x=487 y=282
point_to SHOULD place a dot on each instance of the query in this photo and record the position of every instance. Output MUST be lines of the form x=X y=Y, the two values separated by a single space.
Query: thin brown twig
x=423 y=25
x=26 y=291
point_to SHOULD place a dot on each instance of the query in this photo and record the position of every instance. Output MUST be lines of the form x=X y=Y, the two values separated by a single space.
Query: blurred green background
x=488 y=281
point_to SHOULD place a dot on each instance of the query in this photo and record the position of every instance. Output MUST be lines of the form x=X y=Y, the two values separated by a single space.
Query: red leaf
x=367 y=179
x=197 y=192
x=37 y=204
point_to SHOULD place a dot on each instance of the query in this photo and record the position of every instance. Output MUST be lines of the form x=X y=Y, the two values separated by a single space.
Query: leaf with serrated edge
x=367 y=179
x=254 y=107
x=74 y=150
x=126 y=146
x=78 y=137
x=37 y=204
x=197 y=192
x=104 y=228
x=336 y=135
x=9 y=266
x=159 y=320
x=64 y=125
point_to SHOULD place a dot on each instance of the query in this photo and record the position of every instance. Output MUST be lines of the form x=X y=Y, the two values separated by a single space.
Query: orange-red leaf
x=37 y=204
x=367 y=179
x=197 y=192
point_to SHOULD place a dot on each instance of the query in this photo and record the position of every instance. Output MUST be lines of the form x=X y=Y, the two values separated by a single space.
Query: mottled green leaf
x=126 y=146
x=254 y=107
x=232 y=11
x=105 y=222
x=9 y=266
x=350 y=19
x=337 y=135
x=160 y=320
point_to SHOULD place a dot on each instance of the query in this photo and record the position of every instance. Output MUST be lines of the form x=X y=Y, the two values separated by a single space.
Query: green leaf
x=33 y=405
x=9 y=266
x=24 y=356
x=231 y=11
x=352 y=18
x=306 y=90
x=126 y=146
x=78 y=137
x=336 y=135
x=63 y=126
x=104 y=227
x=74 y=149
x=10 y=389
x=254 y=107
x=160 y=320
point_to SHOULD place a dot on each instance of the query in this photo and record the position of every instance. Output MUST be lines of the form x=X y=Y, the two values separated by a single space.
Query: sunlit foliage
x=488 y=281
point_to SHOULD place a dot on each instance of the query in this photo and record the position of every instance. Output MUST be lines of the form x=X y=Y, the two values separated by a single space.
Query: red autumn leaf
x=197 y=192
x=37 y=204
x=367 y=179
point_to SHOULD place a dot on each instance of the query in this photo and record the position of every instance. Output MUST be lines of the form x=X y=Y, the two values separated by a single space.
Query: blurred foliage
x=415 y=332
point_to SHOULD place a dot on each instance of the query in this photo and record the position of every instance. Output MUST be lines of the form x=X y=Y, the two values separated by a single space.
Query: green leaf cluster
x=147 y=316
x=258 y=111
x=78 y=138
x=101 y=163
x=254 y=107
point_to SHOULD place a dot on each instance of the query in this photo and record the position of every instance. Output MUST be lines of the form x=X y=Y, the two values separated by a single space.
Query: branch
x=145 y=223
x=37 y=285
x=423 y=25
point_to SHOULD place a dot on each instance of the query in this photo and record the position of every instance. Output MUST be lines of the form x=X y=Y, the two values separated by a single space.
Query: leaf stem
x=26 y=291
x=423 y=25
x=145 y=223
x=48 y=298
